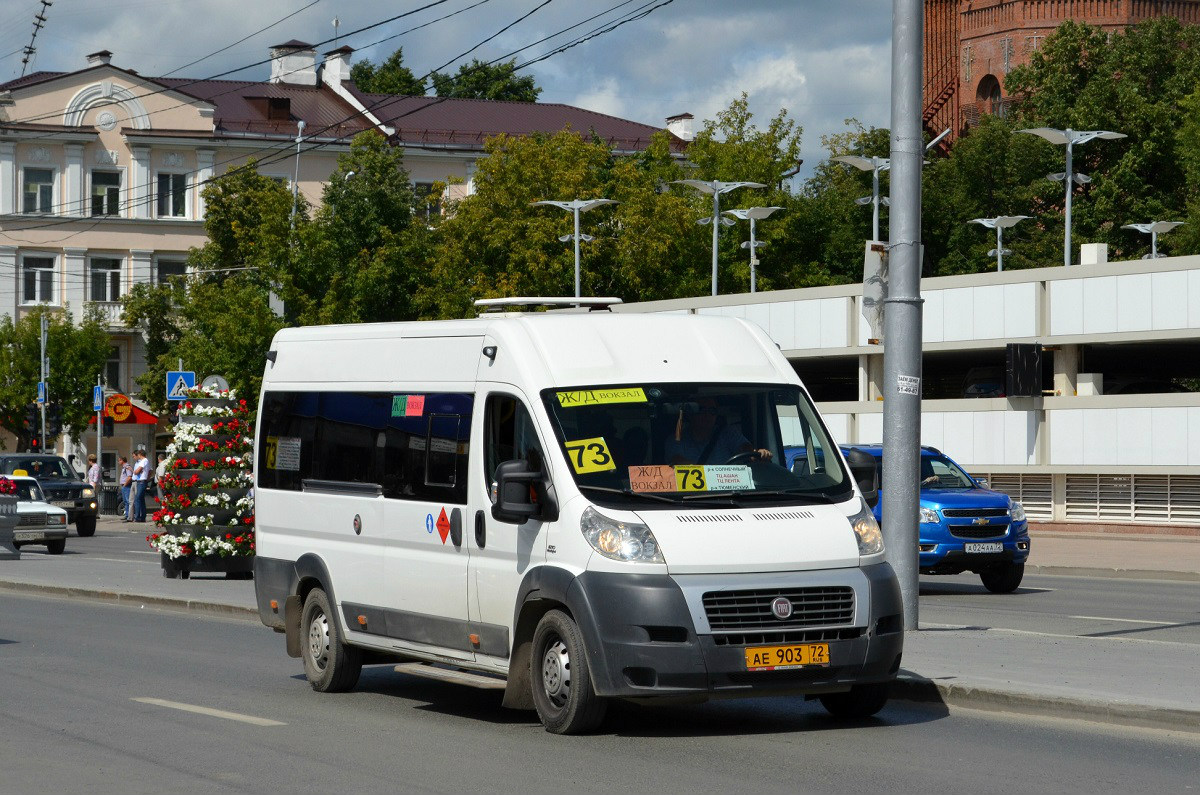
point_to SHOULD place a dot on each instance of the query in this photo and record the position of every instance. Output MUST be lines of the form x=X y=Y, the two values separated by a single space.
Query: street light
x=716 y=188
x=296 y=182
x=752 y=214
x=576 y=207
x=1070 y=138
x=1154 y=229
x=999 y=223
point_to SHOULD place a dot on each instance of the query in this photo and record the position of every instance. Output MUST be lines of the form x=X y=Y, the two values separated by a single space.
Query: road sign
x=97 y=397
x=41 y=392
x=178 y=382
x=217 y=383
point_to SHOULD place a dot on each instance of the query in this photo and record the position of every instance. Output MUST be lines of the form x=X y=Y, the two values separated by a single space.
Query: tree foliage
x=77 y=355
x=389 y=77
x=481 y=80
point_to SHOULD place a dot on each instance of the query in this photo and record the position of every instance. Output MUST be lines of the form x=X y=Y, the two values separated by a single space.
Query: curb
x=131 y=599
x=1125 y=574
x=913 y=687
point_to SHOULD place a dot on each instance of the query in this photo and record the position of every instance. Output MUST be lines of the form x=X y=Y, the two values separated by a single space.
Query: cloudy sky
x=822 y=61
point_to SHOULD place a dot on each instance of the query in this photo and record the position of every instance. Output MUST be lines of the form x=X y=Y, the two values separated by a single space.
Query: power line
x=243 y=39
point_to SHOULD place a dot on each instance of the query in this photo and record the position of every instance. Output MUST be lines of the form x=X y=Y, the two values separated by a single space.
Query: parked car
x=62 y=485
x=964 y=525
x=38 y=522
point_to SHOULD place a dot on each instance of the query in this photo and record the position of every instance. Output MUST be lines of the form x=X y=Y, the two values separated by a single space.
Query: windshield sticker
x=590 y=455
x=652 y=478
x=408 y=405
x=283 y=453
x=690 y=478
x=729 y=478
x=598 y=397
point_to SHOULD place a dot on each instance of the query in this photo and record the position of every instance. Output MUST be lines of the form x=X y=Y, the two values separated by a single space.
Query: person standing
x=141 y=474
x=160 y=472
x=125 y=479
x=93 y=474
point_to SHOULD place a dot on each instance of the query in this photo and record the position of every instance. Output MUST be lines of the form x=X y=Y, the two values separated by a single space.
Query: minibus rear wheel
x=329 y=664
x=559 y=675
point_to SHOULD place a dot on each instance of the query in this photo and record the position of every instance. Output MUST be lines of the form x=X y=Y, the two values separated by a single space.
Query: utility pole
x=99 y=406
x=45 y=377
x=902 y=318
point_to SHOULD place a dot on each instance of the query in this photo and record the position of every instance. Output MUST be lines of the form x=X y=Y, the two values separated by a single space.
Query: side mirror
x=521 y=494
x=983 y=483
x=864 y=470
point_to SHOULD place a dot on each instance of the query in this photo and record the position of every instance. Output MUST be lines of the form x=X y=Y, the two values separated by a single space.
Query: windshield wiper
x=649 y=495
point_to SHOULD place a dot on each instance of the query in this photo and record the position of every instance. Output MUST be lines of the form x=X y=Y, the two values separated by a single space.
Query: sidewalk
x=1128 y=682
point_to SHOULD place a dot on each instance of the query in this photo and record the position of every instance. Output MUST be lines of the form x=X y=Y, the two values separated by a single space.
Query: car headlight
x=1016 y=511
x=929 y=516
x=629 y=541
x=866 y=531
x=89 y=493
x=57 y=519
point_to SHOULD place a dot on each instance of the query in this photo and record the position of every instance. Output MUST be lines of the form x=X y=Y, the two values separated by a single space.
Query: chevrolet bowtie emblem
x=981 y=520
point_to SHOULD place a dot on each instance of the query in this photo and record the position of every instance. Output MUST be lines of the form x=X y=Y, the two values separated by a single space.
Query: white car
x=38 y=522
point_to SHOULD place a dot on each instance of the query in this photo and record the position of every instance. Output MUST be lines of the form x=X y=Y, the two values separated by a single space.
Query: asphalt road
x=103 y=698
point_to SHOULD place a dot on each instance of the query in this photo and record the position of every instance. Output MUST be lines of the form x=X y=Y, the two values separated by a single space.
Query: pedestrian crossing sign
x=178 y=383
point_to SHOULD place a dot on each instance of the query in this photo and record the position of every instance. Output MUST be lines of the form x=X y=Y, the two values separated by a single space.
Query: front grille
x=749 y=610
x=777 y=638
x=708 y=517
x=32 y=519
x=979 y=531
x=972 y=513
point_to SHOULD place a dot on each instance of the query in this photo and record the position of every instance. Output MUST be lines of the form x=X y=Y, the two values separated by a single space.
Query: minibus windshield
x=696 y=444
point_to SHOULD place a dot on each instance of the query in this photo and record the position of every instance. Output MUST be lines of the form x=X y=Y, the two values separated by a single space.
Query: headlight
x=629 y=541
x=1016 y=511
x=89 y=493
x=866 y=531
x=56 y=519
x=929 y=516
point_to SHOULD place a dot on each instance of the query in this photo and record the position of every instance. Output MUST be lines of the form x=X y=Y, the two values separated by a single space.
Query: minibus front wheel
x=329 y=664
x=562 y=688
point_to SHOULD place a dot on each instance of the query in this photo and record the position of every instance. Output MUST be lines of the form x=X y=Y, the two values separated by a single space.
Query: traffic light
x=109 y=425
x=31 y=418
x=53 y=421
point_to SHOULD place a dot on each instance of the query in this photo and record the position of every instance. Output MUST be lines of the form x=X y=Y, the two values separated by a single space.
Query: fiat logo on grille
x=781 y=608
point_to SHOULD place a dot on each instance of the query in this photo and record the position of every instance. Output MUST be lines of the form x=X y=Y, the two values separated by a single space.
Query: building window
x=106 y=279
x=112 y=369
x=38 y=190
x=106 y=192
x=167 y=268
x=428 y=203
x=172 y=195
x=38 y=280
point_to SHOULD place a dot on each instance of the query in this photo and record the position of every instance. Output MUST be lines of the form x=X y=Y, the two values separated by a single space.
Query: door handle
x=480 y=530
x=456 y=527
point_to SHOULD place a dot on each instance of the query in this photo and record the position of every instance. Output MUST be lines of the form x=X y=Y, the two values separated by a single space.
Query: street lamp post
x=1070 y=138
x=577 y=206
x=875 y=165
x=753 y=214
x=1154 y=229
x=296 y=181
x=716 y=188
x=999 y=223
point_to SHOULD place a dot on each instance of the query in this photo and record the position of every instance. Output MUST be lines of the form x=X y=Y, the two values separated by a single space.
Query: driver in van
x=705 y=440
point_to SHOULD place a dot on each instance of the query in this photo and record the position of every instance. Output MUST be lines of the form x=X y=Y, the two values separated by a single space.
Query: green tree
x=481 y=80
x=77 y=355
x=389 y=77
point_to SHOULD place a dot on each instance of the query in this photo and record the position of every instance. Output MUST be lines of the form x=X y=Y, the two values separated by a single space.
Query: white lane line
x=216 y=713
x=1126 y=620
x=115 y=560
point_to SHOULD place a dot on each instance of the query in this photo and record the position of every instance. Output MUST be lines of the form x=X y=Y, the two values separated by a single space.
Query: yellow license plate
x=780 y=658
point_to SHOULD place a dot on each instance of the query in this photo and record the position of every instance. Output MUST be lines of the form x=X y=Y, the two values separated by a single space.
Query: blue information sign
x=178 y=382
x=41 y=392
x=97 y=397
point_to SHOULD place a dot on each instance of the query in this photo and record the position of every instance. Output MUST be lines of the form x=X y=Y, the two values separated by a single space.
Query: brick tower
x=971 y=45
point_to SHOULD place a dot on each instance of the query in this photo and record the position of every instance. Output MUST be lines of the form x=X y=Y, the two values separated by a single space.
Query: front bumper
x=949 y=554
x=38 y=535
x=642 y=641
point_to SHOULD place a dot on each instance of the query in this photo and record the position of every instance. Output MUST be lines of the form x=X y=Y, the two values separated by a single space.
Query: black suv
x=63 y=486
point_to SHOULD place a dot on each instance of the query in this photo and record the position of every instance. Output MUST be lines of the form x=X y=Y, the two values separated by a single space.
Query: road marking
x=1125 y=620
x=216 y=713
x=114 y=560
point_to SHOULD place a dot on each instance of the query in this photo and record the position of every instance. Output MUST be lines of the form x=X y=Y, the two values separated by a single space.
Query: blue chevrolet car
x=964 y=525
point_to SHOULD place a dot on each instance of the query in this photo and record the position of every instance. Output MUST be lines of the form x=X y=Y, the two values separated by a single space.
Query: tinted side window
x=414 y=449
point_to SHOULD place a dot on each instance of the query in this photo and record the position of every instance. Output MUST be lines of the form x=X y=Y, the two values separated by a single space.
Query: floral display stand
x=205 y=518
x=8 y=519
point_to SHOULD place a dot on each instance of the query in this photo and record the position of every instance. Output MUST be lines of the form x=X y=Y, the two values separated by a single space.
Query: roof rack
x=501 y=304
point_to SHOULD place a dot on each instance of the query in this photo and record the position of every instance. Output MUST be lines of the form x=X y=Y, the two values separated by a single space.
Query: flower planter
x=8 y=522
x=234 y=567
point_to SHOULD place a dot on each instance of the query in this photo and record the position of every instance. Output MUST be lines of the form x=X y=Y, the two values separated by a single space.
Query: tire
x=862 y=701
x=85 y=526
x=57 y=546
x=329 y=664
x=560 y=678
x=1003 y=579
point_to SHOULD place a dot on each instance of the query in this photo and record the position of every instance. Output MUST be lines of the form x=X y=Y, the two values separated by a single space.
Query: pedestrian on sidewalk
x=141 y=475
x=93 y=475
x=125 y=479
x=160 y=472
